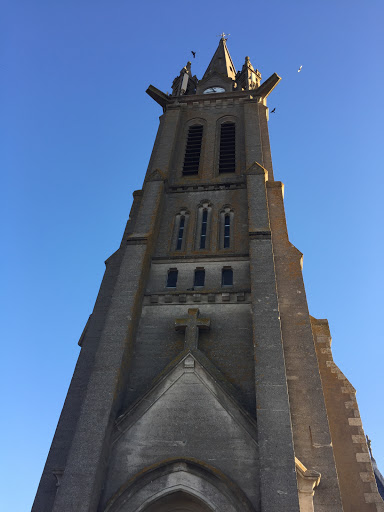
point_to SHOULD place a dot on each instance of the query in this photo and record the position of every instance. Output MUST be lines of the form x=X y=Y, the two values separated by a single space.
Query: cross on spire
x=223 y=35
x=191 y=326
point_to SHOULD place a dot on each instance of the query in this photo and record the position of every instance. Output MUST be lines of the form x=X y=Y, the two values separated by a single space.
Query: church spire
x=221 y=62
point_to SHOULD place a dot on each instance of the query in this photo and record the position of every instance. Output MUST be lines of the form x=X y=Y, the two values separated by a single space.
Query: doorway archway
x=180 y=485
x=178 y=501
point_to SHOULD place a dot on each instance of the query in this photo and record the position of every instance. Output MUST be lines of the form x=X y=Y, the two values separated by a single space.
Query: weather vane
x=223 y=35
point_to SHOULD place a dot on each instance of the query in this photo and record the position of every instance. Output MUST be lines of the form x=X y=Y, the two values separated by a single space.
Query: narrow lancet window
x=227 y=231
x=180 y=234
x=227 y=160
x=203 y=225
x=203 y=235
x=193 y=149
x=227 y=228
x=227 y=277
x=172 y=278
x=199 y=277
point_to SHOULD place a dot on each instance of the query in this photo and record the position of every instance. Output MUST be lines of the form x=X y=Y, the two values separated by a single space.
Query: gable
x=186 y=415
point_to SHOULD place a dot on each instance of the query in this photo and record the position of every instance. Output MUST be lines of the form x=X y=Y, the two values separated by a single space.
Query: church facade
x=203 y=383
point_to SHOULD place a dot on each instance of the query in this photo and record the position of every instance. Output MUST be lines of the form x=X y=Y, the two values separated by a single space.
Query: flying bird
x=194 y=54
x=273 y=111
x=299 y=69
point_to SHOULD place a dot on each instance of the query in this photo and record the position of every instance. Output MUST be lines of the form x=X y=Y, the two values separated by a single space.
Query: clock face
x=211 y=90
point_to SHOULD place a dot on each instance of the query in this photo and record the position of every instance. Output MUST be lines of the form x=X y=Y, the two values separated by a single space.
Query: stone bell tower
x=203 y=383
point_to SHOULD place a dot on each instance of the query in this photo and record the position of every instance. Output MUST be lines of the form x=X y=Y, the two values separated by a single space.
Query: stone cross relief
x=192 y=325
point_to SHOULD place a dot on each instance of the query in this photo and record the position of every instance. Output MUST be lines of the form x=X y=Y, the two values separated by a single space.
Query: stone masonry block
x=355 y=422
x=367 y=476
x=363 y=457
x=358 y=439
x=372 y=497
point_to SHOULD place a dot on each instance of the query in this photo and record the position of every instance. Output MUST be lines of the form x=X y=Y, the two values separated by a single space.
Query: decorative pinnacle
x=223 y=35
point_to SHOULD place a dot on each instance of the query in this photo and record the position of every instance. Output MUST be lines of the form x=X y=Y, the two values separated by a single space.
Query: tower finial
x=223 y=35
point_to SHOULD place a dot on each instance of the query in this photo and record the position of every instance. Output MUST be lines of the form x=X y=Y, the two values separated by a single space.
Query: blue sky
x=76 y=132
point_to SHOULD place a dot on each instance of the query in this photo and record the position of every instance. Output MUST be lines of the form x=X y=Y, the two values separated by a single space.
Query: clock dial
x=211 y=90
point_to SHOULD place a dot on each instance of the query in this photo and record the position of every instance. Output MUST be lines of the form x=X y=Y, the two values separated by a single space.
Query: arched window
x=203 y=225
x=193 y=149
x=227 y=276
x=226 y=228
x=227 y=158
x=180 y=228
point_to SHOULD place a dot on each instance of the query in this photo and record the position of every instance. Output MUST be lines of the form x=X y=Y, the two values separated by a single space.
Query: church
x=203 y=383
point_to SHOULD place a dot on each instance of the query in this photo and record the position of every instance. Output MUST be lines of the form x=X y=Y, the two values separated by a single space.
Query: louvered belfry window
x=227 y=161
x=193 y=149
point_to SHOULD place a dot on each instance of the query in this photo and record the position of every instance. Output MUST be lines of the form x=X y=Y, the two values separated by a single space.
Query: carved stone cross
x=191 y=326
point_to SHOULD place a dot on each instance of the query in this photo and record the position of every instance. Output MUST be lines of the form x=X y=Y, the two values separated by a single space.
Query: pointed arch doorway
x=180 y=485
x=178 y=501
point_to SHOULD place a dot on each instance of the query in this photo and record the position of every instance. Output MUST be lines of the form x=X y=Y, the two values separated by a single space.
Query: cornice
x=175 y=258
x=199 y=187
x=195 y=297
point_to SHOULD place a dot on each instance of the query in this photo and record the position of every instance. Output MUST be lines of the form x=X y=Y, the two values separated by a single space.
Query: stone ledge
x=260 y=235
x=205 y=186
x=192 y=257
x=137 y=240
x=226 y=297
